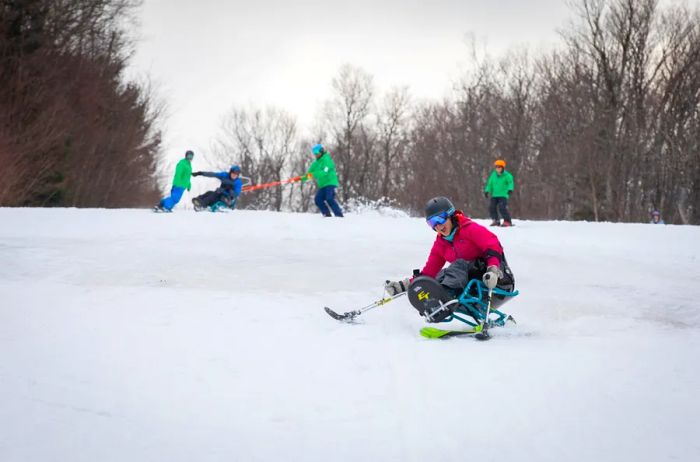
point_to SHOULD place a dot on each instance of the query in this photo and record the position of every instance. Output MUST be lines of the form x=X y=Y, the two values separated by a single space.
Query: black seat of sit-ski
x=427 y=295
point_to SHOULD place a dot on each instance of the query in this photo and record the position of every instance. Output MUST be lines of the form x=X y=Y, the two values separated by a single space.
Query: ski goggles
x=439 y=219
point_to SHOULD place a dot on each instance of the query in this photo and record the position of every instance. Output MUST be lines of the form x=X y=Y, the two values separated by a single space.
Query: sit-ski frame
x=474 y=306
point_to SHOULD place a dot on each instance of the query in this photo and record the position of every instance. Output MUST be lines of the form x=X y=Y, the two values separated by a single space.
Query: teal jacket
x=183 y=172
x=500 y=185
x=322 y=170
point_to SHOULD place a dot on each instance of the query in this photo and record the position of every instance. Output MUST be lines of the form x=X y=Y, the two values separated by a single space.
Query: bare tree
x=393 y=127
x=347 y=118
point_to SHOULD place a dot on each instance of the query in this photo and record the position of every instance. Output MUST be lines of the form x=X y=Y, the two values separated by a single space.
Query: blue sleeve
x=237 y=185
x=221 y=175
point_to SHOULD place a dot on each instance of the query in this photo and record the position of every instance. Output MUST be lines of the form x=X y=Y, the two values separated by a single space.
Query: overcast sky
x=207 y=55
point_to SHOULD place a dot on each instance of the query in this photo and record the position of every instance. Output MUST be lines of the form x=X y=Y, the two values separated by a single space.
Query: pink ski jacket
x=471 y=241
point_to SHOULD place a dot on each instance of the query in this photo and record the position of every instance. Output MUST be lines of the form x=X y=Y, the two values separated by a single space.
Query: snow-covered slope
x=131 y=336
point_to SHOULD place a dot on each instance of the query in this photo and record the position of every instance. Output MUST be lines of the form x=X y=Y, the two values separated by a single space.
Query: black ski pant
x=499 y=204
x=208 y=198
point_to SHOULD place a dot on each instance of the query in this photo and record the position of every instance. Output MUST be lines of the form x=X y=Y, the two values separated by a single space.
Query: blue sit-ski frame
x=221 y=205
x=475 y=306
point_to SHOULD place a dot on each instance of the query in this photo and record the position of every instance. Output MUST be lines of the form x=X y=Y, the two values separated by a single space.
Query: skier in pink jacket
x=459 y=238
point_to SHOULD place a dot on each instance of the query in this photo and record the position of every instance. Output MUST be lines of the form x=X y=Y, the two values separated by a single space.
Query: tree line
x=72 y=131
x=604 y=127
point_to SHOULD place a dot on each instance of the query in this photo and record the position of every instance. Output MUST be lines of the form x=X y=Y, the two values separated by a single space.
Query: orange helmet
x=500 y=163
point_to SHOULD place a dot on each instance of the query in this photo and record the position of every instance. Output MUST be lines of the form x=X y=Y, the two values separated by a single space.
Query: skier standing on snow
x=181 y=181
x=478 y=251
x=500 y=186
x=322 y=170
x=227 y=192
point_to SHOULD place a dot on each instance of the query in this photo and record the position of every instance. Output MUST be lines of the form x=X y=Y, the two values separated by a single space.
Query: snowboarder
x=181 y=181
x=473 y=251
x=227 y=193
x=322 y=170
x=500 y=187
x=656 y=218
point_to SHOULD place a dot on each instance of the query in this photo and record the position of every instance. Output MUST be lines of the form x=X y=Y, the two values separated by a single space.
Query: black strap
x=492 y=253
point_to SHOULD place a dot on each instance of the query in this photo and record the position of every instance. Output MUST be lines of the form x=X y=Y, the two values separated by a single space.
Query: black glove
x=486 y=194
x=510 y=193
x=196 y=173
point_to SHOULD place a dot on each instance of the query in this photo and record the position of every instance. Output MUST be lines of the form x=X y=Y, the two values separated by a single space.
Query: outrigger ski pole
x=483 y=329
x=351 y=315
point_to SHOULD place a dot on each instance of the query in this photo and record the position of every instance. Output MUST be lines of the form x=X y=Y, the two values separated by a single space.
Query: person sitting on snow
x=473 y=251
x=227 y=192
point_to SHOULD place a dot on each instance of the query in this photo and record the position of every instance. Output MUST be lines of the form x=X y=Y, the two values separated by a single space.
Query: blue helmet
x=318 y=149
x=234 y=169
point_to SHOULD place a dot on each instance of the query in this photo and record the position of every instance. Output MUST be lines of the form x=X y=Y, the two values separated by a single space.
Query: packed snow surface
x=132 y=336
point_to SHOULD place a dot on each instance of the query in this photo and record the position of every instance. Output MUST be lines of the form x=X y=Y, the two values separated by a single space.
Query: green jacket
x=183 y=172
x=500 y=185
x=323 y=171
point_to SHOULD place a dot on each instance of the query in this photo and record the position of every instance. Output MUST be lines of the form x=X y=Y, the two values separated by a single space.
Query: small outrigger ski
x=346 y=317
x=351 y=315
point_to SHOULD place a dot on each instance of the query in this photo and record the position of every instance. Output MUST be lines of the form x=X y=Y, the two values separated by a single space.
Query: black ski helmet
x=438 y=205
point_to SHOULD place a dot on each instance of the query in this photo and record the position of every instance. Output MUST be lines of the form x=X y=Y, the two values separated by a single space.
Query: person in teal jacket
x=181 y=181
x=322 y=170
x=500 y=186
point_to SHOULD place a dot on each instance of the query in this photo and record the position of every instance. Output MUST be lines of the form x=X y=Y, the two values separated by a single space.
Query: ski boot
x=495 y=223
x=198 y=206
x=507 y=223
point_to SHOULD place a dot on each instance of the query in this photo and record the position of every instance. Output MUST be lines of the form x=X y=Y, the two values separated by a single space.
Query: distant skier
x=473 y=250
x=227 y=193
x=656 y=218
x=500 y=186
x=322 y=170
x=181 y=181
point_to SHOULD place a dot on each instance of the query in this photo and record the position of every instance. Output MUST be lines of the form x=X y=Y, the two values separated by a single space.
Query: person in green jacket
x=500 y=186
x=322 y=170
x=181 y=181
